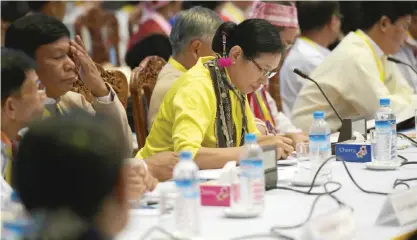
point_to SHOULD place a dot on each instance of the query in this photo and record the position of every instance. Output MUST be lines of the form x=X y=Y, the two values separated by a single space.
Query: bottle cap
x=250 y=138
x=384 y=101
x=318 y=115
x=186 y=155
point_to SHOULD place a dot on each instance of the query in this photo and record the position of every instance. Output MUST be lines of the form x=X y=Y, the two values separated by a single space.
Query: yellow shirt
x=186 y=118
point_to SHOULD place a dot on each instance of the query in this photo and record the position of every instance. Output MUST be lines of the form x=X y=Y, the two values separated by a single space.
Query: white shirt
x=406 y=54
x=104 y=99
x=306 y=56
x=283 y=123
x=351 y=80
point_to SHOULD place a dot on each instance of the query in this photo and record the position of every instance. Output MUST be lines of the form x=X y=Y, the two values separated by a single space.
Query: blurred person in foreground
x=206 y=109
x=72 y=185
x=21 y=102
x=357 y=73
x=191 y=38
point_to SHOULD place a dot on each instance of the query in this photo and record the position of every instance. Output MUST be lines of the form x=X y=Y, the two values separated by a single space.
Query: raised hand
x=87 y=68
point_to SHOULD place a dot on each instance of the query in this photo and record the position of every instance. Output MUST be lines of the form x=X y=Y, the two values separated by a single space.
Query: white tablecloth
x=288 y=208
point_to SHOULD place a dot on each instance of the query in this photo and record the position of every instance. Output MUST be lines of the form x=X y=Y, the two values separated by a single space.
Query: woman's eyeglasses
x=265 y=73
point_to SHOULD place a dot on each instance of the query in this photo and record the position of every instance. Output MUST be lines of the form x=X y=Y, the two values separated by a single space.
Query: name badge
x=399 y=208
x=337 y=225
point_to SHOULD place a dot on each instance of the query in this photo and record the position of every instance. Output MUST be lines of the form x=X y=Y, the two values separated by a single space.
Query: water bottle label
x=317 y=137
x=322 y=140
x=251 y=163
x=188 y=187
x=247 y=165
x=386 y=124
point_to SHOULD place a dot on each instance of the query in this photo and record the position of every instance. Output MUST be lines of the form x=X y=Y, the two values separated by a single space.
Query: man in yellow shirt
x=206 y=111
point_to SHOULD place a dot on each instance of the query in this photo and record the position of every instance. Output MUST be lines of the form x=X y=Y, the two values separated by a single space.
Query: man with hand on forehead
x=59 y=59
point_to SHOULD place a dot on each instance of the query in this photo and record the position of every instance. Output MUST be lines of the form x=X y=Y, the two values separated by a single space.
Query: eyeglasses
x=265 y=73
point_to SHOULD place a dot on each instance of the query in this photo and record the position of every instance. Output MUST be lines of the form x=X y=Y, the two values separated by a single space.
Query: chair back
x=142 y=83
x=115 y=78
x=104 y=32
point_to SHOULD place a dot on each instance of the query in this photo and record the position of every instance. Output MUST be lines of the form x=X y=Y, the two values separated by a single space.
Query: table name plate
x=400 y=208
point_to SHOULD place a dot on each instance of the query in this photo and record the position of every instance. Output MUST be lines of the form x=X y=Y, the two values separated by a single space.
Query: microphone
x=305 y=76
x=401 y=62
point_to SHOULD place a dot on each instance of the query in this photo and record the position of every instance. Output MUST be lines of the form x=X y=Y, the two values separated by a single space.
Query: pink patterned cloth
x=277 y=14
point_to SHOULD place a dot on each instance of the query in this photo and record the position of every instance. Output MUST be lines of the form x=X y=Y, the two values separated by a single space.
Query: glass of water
x=302 y=151
x=373 y=140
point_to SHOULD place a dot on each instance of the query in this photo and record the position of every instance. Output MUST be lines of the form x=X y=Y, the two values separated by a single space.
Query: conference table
x=283 y=207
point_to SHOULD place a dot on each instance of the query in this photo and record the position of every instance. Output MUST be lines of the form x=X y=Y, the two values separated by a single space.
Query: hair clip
x=224 y=61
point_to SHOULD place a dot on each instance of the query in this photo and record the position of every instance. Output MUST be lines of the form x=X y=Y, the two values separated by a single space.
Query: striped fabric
x=277 y=14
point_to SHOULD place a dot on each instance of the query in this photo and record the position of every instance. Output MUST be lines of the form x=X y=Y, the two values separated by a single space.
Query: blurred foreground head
x=71 y=170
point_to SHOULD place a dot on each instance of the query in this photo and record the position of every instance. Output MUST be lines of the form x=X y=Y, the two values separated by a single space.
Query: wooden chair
x=115 y=78
x=104 y=31
x=142 y=83
x=273 y=87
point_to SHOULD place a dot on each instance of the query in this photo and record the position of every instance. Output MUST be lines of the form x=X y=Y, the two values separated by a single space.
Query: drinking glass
x=373 y=140
x=303 y=158
x=302 y=151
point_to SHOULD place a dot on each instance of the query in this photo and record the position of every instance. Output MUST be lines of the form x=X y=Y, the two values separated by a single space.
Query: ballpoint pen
x=271 y=129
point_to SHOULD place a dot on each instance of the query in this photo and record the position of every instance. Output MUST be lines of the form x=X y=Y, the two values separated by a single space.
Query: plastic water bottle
x=187 y=202
x=252 y=176
x=386 y=133
x=320 y=146
x=15 y=221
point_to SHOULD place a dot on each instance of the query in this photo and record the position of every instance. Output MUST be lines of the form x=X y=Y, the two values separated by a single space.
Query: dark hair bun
x=227 y=28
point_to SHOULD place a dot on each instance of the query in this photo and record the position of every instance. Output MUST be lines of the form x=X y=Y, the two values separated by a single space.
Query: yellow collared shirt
x=177 y=65
x=186 y=118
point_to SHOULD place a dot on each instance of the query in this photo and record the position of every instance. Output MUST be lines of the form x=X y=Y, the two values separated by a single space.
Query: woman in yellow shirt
x=202 y=112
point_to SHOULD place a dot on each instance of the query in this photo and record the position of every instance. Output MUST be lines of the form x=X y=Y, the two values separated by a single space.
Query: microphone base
x=350 y=125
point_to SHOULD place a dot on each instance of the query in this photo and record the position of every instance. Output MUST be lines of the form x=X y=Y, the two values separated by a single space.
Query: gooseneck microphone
x=401 y=62
x=305 y=76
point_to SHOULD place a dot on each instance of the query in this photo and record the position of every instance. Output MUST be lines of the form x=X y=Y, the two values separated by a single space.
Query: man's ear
x=9 y=108
x=384 y=23
x=195 y=46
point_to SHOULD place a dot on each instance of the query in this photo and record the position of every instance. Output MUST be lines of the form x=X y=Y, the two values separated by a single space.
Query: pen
x=271 y=129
